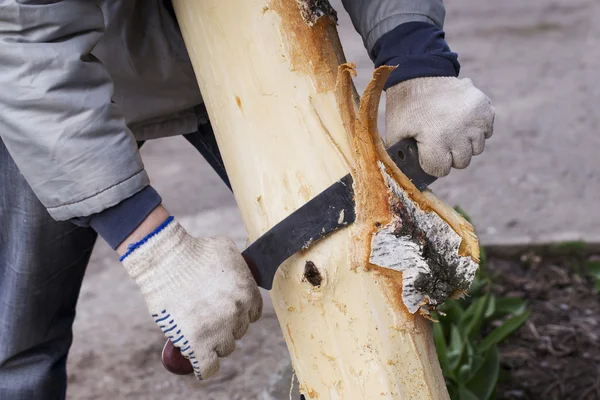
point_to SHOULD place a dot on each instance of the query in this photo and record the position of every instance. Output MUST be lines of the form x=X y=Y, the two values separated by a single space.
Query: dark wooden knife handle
x=172 y=359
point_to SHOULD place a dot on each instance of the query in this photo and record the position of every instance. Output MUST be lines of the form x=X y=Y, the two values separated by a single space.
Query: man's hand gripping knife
x=425 y=100
x=448 y=117
x=199 y=291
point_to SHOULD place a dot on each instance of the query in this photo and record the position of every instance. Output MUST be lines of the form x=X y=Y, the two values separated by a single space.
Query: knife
x=327 y=212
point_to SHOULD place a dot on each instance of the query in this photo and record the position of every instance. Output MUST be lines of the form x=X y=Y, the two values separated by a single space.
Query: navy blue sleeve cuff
x=116 y=223
x=418 y=49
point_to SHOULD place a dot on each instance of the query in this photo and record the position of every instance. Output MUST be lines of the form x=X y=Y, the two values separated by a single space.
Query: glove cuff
x=424 y=87
x=132 y=247
x=156 y=246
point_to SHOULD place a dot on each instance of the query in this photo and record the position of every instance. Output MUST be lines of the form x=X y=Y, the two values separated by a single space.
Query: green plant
x=573 y=247
x=467 y=335
x=593 y=269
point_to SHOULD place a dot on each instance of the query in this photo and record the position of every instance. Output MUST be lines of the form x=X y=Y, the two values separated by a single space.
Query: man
x=82 y=85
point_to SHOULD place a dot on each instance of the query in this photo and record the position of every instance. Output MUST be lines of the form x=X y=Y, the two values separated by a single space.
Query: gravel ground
x=556 y=354
x=537 y=62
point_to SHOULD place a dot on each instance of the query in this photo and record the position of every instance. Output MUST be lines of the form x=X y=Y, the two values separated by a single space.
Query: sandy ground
x=538 y=180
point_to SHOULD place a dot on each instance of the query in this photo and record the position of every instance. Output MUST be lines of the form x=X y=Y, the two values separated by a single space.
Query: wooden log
x=353 y=306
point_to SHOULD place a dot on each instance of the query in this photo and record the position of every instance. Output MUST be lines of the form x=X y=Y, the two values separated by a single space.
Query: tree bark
x=289 y=124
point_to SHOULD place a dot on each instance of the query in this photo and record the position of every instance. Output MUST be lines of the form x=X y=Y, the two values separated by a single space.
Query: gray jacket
x=81 y=80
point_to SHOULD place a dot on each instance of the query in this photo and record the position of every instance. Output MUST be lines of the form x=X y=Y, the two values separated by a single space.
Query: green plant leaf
x=574 y=246
x=474 y=319
x=479 y=285
x=442 y=349
x=464 y=373
x=483 y=382
x=482 y=258
x=510 y=305
x=500 y=333
x=593 y=268
x=452 y=390
x=453 y=312
x=467 y=315
x=466 y=394
x=455 y=348
x=467 y=365
x=491 y=308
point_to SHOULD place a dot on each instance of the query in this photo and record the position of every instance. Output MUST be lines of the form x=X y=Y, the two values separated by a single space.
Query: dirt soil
x=556 y=354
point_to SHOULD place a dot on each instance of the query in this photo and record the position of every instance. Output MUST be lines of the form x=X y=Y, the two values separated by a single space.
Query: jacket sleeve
x=56 y=116
x=374 y=18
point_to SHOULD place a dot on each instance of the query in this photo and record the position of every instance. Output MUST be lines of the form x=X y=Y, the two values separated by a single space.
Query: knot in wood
x=312 y=274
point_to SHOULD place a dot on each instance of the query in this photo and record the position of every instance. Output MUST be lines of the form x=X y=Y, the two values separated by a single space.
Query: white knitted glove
x=199 y=291
x=448 y=117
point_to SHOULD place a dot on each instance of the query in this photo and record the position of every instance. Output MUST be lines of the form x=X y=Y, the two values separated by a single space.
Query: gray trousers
x=42 y=263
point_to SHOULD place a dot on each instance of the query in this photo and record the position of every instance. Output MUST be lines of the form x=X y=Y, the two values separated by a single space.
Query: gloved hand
x=199 y=291
x=448 y=117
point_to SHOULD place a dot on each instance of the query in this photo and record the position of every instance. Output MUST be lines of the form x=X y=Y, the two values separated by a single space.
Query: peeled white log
x=287 y=125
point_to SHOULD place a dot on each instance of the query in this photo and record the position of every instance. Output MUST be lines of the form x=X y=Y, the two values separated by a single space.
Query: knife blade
x=326 y=213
